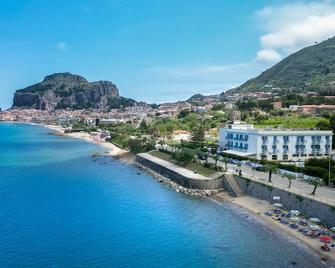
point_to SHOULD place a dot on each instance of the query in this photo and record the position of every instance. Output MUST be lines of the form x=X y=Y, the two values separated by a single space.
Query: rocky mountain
x=310 y=69
x=65 y=90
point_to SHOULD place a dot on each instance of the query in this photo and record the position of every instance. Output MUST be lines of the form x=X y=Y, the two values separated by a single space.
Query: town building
x=275 y=144
x=316 y=109
x=277 y=105
x=181 y=135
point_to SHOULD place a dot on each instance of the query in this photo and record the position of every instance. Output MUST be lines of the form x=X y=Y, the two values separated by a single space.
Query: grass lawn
x=190 y=166
x=290 y=122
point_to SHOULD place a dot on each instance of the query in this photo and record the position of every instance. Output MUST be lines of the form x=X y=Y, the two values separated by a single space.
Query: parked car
x=233 y=161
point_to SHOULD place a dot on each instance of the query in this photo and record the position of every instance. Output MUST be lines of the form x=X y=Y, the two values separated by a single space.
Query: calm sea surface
x=61 y=208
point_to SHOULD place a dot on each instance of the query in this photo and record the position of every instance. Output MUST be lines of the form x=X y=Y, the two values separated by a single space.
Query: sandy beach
x=112 y=149
x=259 y=207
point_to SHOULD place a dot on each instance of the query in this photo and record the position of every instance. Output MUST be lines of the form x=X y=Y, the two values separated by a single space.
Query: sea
x=61 y=207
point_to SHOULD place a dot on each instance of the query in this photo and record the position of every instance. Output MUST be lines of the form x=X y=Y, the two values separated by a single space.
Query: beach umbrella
x=278 y=205
x=332 y=229
x=325 y=238
x=314 y=227
x=295 y=212
x=296 y=219
x=315 y=220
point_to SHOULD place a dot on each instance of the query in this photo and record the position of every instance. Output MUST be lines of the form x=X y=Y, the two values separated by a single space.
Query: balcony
x=316 y=142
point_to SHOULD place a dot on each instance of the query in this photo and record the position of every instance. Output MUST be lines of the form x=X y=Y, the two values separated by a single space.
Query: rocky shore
x=178 y=188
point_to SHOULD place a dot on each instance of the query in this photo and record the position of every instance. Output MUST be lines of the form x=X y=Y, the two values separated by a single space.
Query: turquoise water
x=61 y=208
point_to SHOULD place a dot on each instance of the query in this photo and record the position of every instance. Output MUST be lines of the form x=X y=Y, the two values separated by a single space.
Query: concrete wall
x=190 y=183
x=307 y=206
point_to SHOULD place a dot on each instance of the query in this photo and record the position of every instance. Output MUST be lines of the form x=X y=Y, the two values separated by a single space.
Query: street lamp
x=329 y=167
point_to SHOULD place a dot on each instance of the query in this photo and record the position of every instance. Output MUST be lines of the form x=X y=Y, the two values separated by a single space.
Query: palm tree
x=315 y=182
x=253 y=171
x=271 y=169
x=216 y=158
x=290 y=178
x=225 y=161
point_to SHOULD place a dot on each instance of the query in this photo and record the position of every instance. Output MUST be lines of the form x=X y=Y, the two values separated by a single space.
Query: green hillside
x=310 y=69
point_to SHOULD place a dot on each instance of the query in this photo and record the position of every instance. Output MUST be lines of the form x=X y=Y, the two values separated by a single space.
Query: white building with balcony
x=275 y=144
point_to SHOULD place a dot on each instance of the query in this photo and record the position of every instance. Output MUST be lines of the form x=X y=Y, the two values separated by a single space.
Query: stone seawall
x=191 y=183
x=309 y=207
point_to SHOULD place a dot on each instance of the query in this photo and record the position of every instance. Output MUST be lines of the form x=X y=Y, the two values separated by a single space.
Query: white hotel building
x=275 y=144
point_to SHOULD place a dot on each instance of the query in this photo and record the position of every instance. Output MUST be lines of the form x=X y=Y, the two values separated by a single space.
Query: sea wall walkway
x=182 y=176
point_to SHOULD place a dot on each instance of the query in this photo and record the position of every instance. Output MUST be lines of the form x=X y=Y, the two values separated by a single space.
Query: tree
x=162 y=130
x=253 y=170
x=198 y=135
x=315 y=182
x=290 y=178
x=161 y=143
x=271 y=169
x=198 y=154
x=216 y=158
x=225 y=161
x=135 y=145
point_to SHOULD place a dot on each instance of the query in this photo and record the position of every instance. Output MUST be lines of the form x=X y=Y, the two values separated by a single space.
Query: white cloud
x=293 y=26
x=269 y=55
x=186 y=80
x=62 y=46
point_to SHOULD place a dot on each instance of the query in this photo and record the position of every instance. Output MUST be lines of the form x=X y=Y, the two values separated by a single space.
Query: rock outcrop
x=65 y=90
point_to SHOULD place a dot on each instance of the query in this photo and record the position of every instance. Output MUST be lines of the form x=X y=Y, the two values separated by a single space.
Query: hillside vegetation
x=310 y=69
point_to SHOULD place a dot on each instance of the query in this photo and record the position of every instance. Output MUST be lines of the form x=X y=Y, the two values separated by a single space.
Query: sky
x=154 y=50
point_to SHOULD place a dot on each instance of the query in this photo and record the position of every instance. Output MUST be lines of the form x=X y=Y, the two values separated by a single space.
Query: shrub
x=207 y=165
x=183 y=156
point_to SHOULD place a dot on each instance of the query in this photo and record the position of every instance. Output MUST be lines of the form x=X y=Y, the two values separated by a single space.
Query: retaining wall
x=210 y=184
x=307 y=206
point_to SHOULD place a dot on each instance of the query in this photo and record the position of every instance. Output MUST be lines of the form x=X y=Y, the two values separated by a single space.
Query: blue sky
x=154 y=50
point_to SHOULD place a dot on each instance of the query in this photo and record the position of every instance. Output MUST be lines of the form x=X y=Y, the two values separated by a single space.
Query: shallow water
x=61 y=208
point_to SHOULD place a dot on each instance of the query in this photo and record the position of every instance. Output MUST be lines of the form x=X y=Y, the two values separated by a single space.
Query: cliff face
x=65 y=90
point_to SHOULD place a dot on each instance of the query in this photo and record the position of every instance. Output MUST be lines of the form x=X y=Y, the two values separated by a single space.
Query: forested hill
x=310 y=69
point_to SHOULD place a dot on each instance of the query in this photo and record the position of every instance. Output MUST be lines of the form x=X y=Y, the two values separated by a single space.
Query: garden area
x=189 y=162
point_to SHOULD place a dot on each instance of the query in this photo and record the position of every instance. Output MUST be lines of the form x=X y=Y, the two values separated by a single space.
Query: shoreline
x=112 y=150
x=249 y=206
x=257 y=208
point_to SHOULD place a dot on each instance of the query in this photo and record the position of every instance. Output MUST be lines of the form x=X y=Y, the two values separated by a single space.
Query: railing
x=324 y=200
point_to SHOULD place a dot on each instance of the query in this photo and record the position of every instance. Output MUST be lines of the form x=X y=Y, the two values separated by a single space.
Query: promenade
x=323 y=194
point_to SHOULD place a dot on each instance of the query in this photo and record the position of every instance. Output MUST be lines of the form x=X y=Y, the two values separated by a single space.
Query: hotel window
x=286 y=139
x=274 y=157
x=285 y=157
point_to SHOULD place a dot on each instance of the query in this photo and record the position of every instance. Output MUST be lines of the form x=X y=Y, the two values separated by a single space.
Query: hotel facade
x=275 y=144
